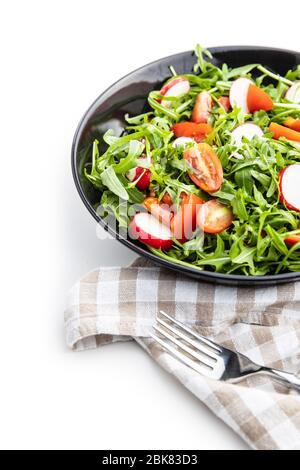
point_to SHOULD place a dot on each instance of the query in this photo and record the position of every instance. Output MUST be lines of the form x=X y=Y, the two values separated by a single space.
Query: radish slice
x=248 y=130
x=177 y=87
x=293 y=93
x=292 y=239
x=148 y=230
x=202 y=108
x=238 y=94
x=289 y=185
x=131 y=174
x=181 y=141
x=135 y=173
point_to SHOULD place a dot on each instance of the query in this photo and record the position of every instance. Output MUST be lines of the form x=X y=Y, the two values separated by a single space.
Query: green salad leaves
x=255 y=242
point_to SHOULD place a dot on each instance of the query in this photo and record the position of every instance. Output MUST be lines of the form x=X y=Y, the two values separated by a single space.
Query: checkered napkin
x=119 y=304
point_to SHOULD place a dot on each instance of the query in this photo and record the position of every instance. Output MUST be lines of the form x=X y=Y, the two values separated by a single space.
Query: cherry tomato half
x=214 y=217
x=207 y=169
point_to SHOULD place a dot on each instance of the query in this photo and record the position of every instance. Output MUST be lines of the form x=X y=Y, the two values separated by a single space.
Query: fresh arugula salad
x=209 y=176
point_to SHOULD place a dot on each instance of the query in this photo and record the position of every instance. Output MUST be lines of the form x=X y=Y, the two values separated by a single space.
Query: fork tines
x=185 y=344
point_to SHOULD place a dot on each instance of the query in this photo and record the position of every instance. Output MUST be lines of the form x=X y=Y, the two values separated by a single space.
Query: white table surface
x=56 y=57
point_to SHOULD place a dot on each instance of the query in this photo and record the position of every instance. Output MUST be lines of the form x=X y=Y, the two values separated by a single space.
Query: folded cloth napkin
x=119 y=304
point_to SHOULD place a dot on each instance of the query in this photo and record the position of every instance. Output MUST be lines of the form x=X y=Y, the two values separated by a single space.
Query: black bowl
x=128 y=95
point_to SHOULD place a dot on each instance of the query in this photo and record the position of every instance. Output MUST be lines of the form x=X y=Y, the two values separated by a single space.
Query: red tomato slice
x=207 y=169
x=292 y=240
x=184 y=221
x=225 y=102
x=190 y=129
x=214 y=217
x=293 y=124
x=282 y=131
x=166 y=199
x=258 y=99
x=202 y=108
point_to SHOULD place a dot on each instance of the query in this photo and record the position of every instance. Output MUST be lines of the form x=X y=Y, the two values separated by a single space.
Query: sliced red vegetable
x=224 y=101
x=135 y=173
x=248 y=130
x=214 y=217
x=160 y=211
x=293 y=124
x=202 y=108
x=289 y=186
x=238 y=93
x=282 y=131
x=198 y=132
x=245 y=95
x=176 y=87
x=292 y=239
x=148 y=230
x=207 y=169
x=180 y=141
x=293 y=93
x=258 y=99
x=184 y=221
x=166 y=199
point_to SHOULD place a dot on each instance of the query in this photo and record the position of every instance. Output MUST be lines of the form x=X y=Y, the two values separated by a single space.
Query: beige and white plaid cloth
x=119 y=304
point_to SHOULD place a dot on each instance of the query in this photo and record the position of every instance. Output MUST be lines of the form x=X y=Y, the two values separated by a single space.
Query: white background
x=56 y=57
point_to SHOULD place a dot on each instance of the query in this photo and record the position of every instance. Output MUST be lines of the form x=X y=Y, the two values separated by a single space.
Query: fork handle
x=284 y=377
x=289 y=379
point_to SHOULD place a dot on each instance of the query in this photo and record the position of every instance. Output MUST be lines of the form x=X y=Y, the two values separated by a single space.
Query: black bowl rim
x=191 y=271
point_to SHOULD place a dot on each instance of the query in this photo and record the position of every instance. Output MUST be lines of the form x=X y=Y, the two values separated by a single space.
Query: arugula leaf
x=244 y=180
x=134 y=195
x=245 y=257
x=264 y=179
x=239 y=206
x=202 y=64
x=134 y=151
x=111 y=204
x=112 y=182
x=240 y=71
x=276 y=240
x=260 y=200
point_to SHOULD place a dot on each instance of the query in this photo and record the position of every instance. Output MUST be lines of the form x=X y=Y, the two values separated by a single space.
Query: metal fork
x=207 y=357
